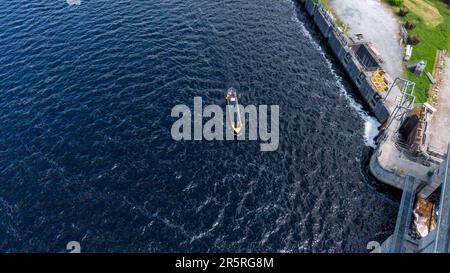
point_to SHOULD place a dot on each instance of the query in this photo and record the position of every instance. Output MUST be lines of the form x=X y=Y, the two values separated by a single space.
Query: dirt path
x=440 y=125
x=378 y=25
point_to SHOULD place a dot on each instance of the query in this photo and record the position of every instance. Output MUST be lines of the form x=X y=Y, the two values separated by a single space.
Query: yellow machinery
x=379 y=81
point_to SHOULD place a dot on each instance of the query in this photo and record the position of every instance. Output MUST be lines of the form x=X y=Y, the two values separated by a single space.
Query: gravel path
x=378 y=25
x=440 y=125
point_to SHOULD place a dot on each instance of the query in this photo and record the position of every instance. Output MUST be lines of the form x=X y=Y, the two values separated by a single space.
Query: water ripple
x=85 y=148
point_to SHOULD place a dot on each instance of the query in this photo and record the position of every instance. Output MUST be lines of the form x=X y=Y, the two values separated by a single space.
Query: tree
x=410 y=24
x=403 y=12
x=396 y=3
x=413 y=40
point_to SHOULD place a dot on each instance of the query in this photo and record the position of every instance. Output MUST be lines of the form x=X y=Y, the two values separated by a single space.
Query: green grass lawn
x=432 y=39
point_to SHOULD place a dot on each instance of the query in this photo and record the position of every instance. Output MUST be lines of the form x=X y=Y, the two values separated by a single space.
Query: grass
x=433 y=37
x=433 y=28
x=426 y=11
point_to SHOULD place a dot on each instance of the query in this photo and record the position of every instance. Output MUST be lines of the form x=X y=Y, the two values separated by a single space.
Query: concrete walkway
x=378 y=25
x=440 y=124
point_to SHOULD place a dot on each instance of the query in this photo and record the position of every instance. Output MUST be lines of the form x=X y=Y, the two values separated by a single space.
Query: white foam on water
x=73 y=2
x=371 y=131
x=421 y=224
x=371 y=125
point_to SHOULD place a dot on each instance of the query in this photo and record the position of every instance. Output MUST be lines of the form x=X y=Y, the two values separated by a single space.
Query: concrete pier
x=438 y=240
x=404 y=216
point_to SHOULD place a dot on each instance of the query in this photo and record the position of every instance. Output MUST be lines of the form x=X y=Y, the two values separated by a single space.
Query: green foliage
x=432 y=40
x=410 y=25
x=403 y=12
x=396 y=3
x=413 y=40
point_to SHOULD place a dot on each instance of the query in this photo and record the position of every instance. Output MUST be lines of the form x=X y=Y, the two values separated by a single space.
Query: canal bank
x=390 y=100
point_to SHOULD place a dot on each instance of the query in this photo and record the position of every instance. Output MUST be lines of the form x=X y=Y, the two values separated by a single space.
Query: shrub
x=413 y=40
x=396 y=3
x=403 y=12
x=410 y=24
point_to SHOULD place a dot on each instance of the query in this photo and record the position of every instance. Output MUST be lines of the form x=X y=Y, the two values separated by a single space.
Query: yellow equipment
x=378 y=80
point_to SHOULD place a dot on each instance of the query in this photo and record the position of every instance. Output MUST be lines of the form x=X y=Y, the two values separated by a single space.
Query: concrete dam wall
x=356 y=58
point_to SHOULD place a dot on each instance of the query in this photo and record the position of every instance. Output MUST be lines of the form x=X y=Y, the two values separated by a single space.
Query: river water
x=86 y=154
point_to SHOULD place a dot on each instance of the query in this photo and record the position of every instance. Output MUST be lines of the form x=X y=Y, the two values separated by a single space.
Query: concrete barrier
x=340 y=45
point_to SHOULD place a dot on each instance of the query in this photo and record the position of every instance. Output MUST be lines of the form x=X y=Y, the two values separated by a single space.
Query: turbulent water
x=86 y=154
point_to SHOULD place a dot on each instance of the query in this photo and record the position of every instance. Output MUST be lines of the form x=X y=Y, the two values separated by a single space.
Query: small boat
x=233 y=110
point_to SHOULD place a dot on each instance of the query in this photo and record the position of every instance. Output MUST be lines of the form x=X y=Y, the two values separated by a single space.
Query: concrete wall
x=337 y=46
x=426 y=244
x=309 y=5
x=338 y=43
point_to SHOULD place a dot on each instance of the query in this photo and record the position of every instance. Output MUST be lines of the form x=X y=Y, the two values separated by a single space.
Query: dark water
x=85 y=147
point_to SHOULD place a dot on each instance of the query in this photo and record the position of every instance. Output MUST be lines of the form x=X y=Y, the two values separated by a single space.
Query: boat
x=233 y=111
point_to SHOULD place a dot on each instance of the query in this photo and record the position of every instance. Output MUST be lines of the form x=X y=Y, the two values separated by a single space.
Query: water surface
x=85 y=146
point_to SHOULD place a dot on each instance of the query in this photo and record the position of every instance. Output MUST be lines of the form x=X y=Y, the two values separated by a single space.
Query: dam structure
x=357 y=58
x=414 y=170
x=390 y=100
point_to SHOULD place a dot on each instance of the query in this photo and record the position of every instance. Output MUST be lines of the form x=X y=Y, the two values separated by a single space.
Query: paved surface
x=394 y=160
x=378 y=25
x=440 y=124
